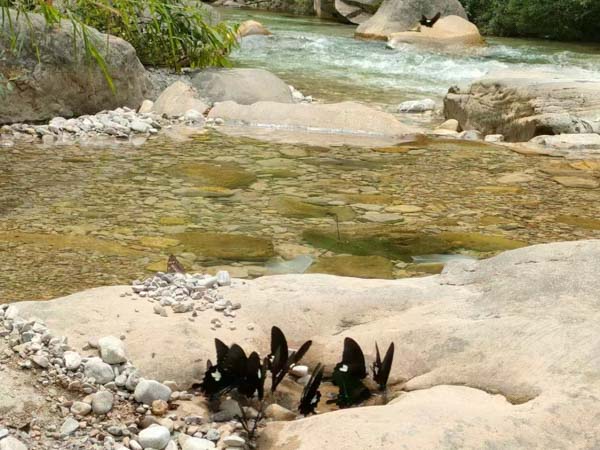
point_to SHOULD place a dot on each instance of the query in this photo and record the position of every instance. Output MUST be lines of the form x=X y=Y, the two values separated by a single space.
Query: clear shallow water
x=323 y=59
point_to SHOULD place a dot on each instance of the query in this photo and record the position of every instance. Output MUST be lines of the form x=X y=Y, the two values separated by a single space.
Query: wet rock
x=251 y=28
x=227 y=246
x=578 y=182
x=417 y=106
x=402 y=15
x=354 y=266
x=452 y=32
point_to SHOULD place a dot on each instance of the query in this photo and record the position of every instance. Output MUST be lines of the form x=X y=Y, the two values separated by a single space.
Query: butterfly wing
x=279 y=357
x=311 y=394
x=174 y=266
x=253 y=381
x=222 y=350
x=354 y=358
x=299 y=354
x=382 y=374
x=435 y=19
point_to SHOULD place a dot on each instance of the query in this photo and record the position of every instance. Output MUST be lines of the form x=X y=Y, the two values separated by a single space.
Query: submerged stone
x=355 y=266
x=227 y=246
x=293 y=207
x=228 y=176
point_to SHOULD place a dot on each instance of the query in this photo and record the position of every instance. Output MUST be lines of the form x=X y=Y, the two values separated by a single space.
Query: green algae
x=224 y=246
x=228 y=176
x=355 y=266
x=295 y=208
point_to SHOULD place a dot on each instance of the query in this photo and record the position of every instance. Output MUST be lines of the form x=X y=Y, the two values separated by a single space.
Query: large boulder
x=494 y=352
x=522 y=105
x=449 y=31
x=177 y=99
x=336 y=118
x=243 y=86
x=64 y=82
x=252 y=28
x=395 y=16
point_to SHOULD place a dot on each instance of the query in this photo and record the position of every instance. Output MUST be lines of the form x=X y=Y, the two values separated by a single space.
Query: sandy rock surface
x=502 y=351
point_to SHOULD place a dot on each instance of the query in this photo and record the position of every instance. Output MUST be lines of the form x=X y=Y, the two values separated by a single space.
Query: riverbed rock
x=155 y=436
x=448 y=32
x=243 y=86
x=177 y=99
x=102 y=402
x=64 y=82
x=417 y=106
x=483 y=364
x=583 y=141
x=11 y=443
x=112 y=350
x=394 y=16
x=252 y=28
x=99 y=371
x=335 y=118
x=522 y=105
x=147 y=391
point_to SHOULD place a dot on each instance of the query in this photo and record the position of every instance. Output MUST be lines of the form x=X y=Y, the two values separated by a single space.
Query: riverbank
x=478 y=350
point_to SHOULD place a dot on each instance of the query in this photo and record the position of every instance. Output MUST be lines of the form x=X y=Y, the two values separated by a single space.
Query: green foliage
x=552 y=19
x=170 y=33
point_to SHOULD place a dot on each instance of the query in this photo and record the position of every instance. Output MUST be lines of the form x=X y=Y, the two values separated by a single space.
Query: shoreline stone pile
x=102 y=402
x=187 y=293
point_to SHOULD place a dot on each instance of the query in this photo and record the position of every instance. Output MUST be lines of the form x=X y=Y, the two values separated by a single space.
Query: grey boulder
x=98 y=370
x=64 y=82
x=112 y=350
x=243 y=86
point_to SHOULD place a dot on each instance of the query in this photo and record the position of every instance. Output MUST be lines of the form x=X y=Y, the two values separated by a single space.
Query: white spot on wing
x=216 y=375
x=344 y=368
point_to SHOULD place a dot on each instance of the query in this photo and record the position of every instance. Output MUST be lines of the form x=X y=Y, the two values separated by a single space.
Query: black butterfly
x=381 y=369
x=280 y=361
x=174 y=266
x=348 y=373
x=430 y=22
x=234 y=370
x=311 y=394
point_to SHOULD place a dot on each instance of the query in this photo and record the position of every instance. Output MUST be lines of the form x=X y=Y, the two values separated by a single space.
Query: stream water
x=323 y=59
x=75 y=217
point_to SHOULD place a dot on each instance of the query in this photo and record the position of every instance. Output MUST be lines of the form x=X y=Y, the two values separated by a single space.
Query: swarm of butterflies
x=235 y=371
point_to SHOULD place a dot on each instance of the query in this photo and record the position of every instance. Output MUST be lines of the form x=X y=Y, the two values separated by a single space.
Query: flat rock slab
x=346 y=118
x=496 y=352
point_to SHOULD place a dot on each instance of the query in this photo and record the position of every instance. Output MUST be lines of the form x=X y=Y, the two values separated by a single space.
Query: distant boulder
x=450 y=31
x=395 y=16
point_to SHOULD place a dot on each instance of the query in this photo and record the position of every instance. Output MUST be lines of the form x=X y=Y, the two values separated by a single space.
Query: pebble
x=102 y=402
x=279 y=413
x=155 y=436
x=69 y=427
x=234 y=441
x=112 y=350
x=3 y=433
x=194 y=443
x=147 y=391
x=98 y=370
x=81 y=408
x=72 y=360
x=11 y=443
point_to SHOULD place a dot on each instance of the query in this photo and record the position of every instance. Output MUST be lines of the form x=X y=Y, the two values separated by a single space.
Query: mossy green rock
x=293 y=207
x=355 y=266
x=228 y=176
x=405 y=244
x=224 y=246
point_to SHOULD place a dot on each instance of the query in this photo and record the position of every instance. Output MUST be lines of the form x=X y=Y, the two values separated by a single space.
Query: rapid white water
x=323 y=59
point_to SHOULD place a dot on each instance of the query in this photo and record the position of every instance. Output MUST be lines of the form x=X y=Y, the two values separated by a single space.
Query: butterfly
x=430 y=22
x=174 y=266
x=348 y=375
x=381 y=369
x=234 y=370
x=280 y=361
x=311 y=394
